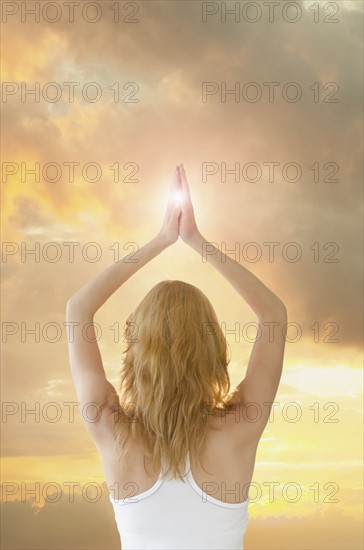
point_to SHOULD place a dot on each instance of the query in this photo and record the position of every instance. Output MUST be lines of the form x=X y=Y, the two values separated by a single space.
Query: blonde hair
x=174 y=373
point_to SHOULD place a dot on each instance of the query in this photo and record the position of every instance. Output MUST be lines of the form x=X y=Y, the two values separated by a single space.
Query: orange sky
x=167 y=55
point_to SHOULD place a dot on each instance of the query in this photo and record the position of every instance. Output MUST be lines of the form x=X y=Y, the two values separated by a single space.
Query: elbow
x=276 y=312
x=69 y=309
x=281 y=308
x=75 y=306
x=71 y=305
x=282 y=315
x=278 y=306
x=70 y=302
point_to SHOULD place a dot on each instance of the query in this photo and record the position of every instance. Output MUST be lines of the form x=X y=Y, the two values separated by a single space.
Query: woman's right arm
x=266 y=360
x=259 y=297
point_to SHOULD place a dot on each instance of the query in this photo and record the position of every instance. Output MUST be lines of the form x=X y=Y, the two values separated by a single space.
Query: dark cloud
x=62 y=524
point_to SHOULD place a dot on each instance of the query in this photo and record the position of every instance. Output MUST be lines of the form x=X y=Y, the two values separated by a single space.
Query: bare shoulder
x=234 y=428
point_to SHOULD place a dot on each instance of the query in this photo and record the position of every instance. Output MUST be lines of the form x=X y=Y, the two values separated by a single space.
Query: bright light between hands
x=177 y=197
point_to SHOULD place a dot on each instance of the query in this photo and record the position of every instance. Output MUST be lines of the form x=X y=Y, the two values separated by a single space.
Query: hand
x=169 y=229
x=187 y=224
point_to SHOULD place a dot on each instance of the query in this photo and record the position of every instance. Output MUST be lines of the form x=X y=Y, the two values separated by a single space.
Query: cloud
x=336 y=530
x=62 y=524
x=336 y=381
x=170 y=78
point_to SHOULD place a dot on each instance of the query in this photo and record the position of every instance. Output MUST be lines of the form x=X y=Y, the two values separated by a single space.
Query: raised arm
x=266 y=360
x=86 y=365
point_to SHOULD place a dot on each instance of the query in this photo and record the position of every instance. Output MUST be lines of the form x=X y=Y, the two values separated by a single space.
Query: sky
x=148 y=93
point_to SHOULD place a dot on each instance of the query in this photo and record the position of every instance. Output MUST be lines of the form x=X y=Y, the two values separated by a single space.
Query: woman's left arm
x=95 y=293
x=87 y=370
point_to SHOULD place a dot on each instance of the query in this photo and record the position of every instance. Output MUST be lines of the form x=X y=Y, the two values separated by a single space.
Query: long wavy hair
x=173 y=375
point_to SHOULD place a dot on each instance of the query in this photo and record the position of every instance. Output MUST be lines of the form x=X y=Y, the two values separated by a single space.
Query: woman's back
x=210 y=510
x=229 y=457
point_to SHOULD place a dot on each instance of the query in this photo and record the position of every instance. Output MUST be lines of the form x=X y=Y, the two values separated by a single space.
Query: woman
x=177 y=449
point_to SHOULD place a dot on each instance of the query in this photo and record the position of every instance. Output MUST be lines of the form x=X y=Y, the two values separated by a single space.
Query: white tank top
x=176 y=515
